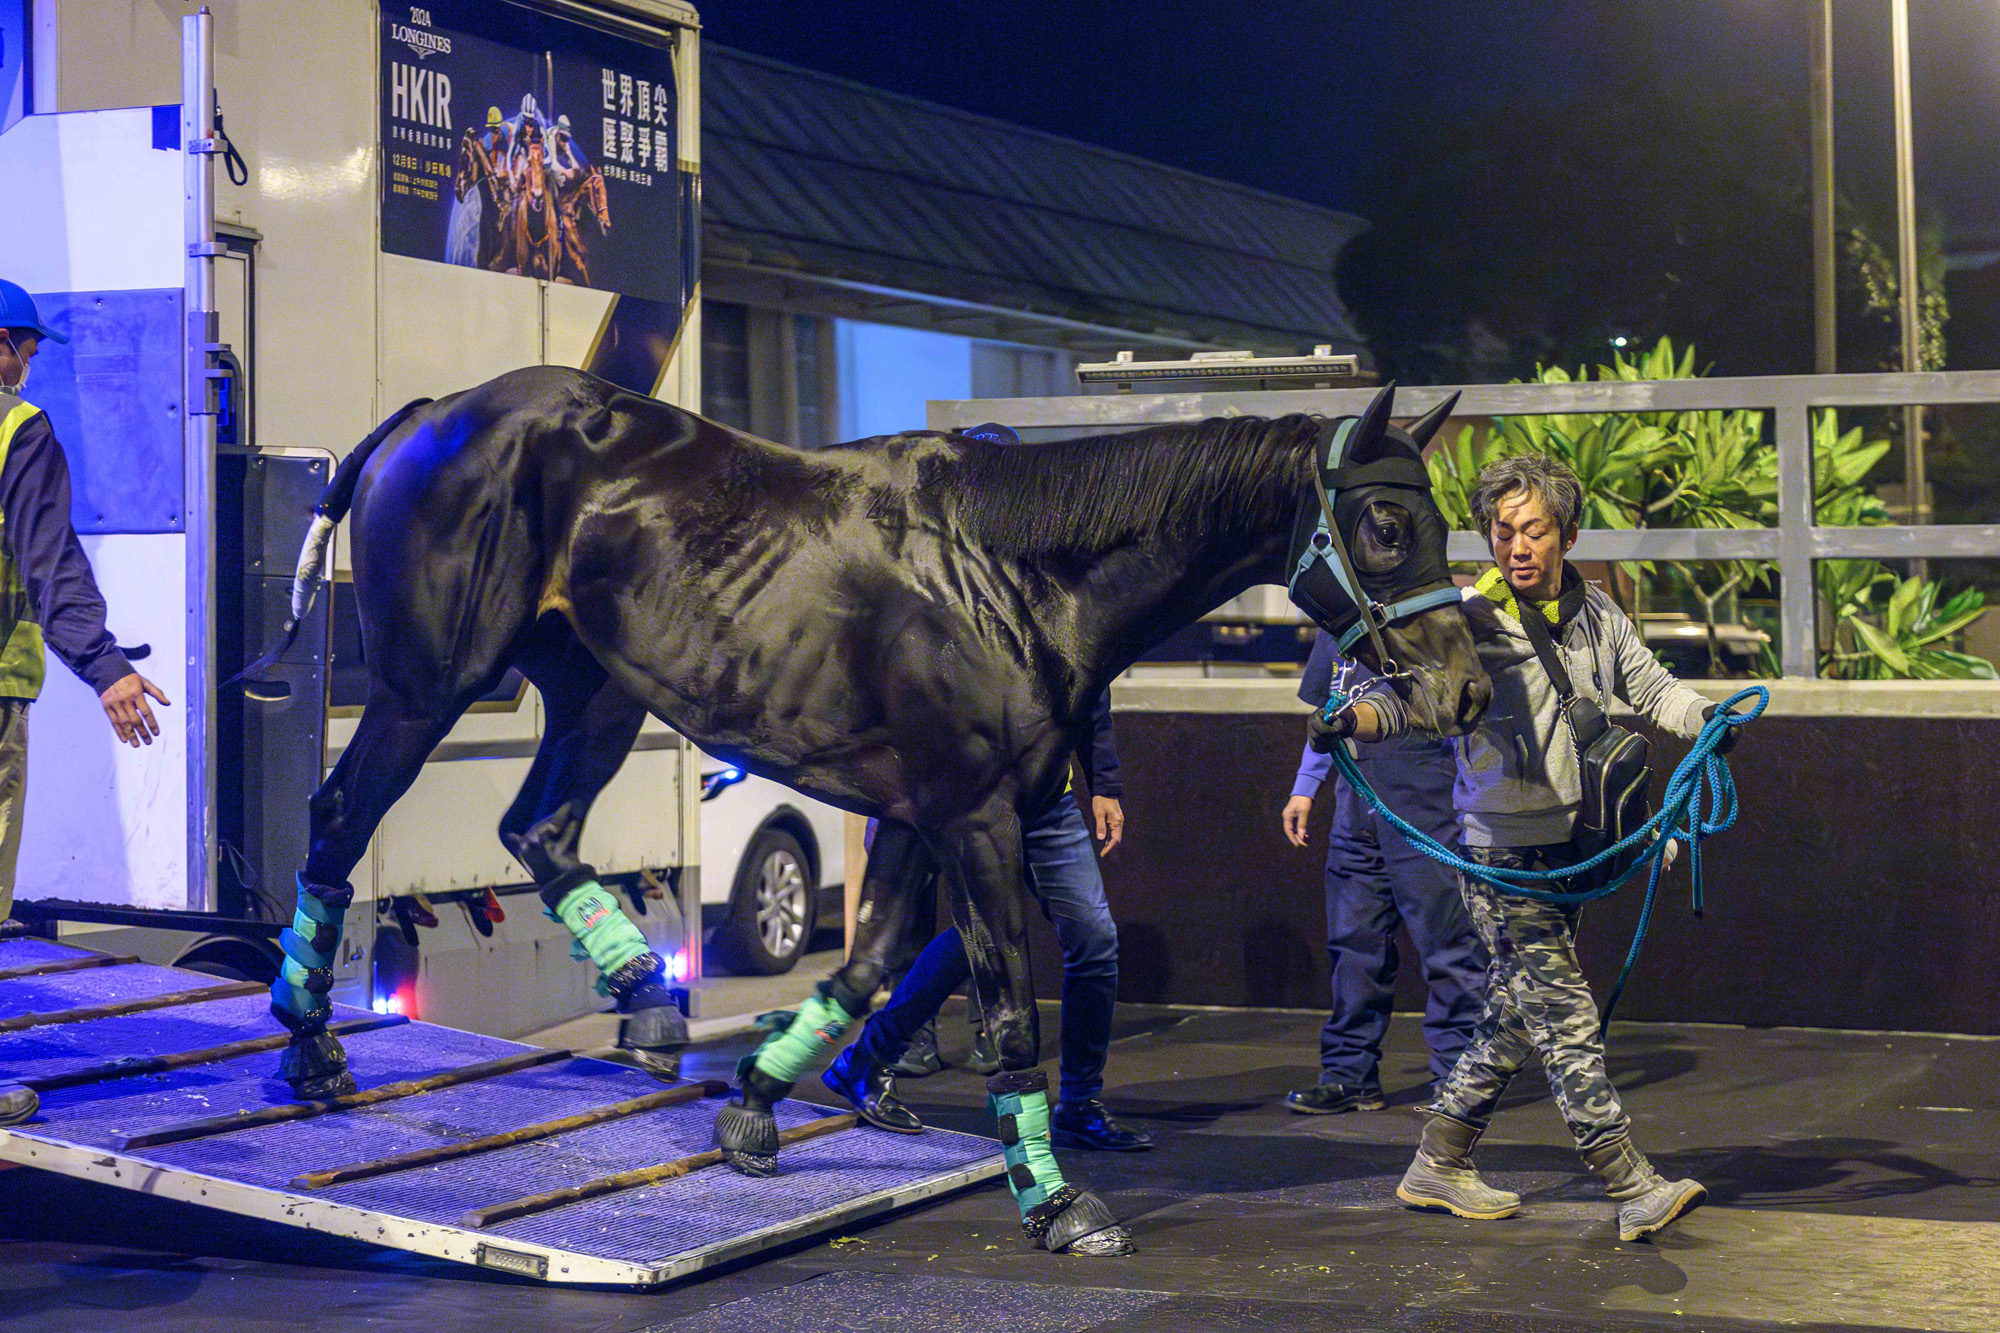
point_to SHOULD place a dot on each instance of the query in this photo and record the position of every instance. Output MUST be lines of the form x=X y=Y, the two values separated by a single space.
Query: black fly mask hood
x=1363 y=460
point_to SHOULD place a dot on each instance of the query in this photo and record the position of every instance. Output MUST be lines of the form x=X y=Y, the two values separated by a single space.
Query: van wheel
x=771 y=907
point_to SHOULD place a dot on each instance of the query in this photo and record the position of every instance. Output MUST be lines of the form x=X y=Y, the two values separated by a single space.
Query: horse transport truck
x=428 y=196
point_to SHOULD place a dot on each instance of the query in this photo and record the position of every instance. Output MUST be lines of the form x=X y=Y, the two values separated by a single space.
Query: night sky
x=1304 y=98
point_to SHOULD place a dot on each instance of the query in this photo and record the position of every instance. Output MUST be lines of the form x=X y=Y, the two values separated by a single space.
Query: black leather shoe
x=871 y=1089
x=921 y=1059
x=17 y=1103
x=1333 y=1098
x=1089 y=1126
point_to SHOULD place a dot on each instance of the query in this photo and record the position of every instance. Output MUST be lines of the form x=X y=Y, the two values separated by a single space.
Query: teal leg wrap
x=819 y=1022
x=1032 y=1172
x=311 y=945
x=604 y=934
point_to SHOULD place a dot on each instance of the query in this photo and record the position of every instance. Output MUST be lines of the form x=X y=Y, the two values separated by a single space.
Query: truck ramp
x=540 y=1163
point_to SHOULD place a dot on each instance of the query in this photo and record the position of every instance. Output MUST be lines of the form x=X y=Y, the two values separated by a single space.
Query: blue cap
x=993 y=433
x=17 y=311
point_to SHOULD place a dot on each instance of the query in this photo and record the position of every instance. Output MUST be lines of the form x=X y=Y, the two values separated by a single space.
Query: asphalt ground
x=1852 y=1185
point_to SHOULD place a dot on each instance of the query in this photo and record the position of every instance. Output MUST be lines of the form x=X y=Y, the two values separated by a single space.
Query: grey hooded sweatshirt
x=1518 y=784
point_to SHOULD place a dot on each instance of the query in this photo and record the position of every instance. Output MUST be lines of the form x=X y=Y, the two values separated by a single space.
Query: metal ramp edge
x=241 y=1161
x=436 y=1240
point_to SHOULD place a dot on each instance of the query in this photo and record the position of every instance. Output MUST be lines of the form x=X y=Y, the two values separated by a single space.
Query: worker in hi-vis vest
x=47 y=595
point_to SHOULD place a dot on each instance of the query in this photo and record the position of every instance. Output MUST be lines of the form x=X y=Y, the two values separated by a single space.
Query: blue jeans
x=1375 y=880
x=1062 y=869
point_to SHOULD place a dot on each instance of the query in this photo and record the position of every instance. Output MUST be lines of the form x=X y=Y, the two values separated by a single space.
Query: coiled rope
x=1679 y=819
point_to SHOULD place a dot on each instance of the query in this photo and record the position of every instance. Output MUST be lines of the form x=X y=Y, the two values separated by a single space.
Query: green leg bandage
x=1023 y=1116
x=310 y=944
x=819 y=1023
x=606 y=934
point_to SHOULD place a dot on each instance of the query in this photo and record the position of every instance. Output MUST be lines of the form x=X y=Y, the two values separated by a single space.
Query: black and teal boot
x=1057 y=1216
x=746 y=1130
x=651 y=1027
x=314 y=1064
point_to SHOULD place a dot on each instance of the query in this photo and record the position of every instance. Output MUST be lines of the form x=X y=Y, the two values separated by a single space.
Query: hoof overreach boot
x=314 y=1063
x=1072 y=1221
x=871 y=1088
x=1055 y=1215
x=1442 y=1176
x=1646 y=1202
x=746 y=1131
x=652 y=1028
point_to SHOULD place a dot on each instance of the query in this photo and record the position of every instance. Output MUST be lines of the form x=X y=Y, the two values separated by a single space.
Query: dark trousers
x=1374 y=881
x=1062 y=867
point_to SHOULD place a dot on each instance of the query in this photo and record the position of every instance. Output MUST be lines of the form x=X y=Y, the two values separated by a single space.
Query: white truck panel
x=574 y=315
x=107 y=204
x=105 y=822
x=442 y=328
x=635 y=824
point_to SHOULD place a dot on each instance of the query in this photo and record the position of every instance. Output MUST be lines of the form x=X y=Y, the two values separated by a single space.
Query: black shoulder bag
x=1614 y=763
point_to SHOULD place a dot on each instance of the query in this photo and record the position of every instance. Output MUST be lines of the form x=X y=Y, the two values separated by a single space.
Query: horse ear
x=1424 y=427
x=1365 y=444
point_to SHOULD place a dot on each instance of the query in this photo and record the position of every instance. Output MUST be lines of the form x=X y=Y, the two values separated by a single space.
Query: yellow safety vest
x=23 y=662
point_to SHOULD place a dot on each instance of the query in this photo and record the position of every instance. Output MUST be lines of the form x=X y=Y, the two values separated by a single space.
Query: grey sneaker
x=1442 y=1177
x=18 y=1103
x=1333 y=1098
x=1646 y=1202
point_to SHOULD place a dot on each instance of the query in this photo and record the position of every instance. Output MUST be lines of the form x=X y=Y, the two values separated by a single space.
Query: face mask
x=19 y=386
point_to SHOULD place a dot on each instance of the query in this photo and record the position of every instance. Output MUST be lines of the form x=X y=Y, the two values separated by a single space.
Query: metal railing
x=1795 y=542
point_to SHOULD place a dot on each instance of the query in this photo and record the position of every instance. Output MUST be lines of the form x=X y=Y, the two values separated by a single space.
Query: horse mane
x=1097 y=492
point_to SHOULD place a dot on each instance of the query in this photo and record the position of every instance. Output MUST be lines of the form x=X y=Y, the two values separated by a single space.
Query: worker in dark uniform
x=1063 y=873
x=47 y=595
x=1375 y=880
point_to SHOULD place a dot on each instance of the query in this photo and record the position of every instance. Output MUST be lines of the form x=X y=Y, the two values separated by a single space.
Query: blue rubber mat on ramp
x=824 y=1181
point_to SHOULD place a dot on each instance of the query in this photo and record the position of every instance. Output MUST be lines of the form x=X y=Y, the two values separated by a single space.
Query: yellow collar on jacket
x=1493 y=586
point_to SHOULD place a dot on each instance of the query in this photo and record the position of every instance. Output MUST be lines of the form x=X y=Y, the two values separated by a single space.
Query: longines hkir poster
x=519 y=142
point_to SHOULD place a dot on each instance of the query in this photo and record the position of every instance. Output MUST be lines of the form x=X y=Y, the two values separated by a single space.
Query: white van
x=773 y=868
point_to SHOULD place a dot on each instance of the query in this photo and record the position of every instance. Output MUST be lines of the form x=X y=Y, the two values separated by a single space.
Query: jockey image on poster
x=512 y=140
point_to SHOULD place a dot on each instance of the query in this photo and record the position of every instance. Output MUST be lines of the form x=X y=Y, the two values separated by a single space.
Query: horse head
x=1369 y=566
x=600 y=203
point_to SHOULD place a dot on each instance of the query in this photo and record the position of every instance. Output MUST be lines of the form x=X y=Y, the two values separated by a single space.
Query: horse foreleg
x=589 y=726
x=988 y=896
x=746 y=1130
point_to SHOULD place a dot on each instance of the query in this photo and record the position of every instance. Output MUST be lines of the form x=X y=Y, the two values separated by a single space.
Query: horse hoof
x=316 y=1067
x=1074 y=1221
x=1108 y=1243
x=655 y=1039
x=748 y=1139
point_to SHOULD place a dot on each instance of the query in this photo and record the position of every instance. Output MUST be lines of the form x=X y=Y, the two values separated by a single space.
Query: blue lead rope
x=1679 y=820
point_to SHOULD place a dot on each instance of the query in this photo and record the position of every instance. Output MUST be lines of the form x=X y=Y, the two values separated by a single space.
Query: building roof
x=808 y=174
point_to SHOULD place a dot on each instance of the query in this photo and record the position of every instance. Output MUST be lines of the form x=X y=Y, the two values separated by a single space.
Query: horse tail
x=332 y=506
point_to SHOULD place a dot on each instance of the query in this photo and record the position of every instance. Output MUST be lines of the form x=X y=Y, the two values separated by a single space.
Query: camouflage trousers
x=1536 y=1002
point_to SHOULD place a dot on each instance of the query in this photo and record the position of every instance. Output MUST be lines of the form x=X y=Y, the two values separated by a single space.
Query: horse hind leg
x=390 y=745
x=746 y=1131
x=988 y=892
x=589 y=726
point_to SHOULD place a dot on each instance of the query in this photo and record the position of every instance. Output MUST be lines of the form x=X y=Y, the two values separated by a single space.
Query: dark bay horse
x=913 y=627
